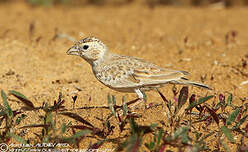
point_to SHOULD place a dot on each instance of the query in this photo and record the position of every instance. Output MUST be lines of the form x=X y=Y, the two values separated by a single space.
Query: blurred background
x=207 y=38
x=226 y=3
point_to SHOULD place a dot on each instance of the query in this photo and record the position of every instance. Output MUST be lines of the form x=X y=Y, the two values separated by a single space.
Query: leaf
x=145 y=96
x=80 y=127
x=111 y=104
x=20 y=118
x=81 y=133
x=132 y=101
x=229 y=100
x=2 y=113
x=246 y=128
x=64 y=127
x=121 y=146
x=76 y=117
x=134 y=126
x=49 y=119
x=150 y=146
x=200 y=101
x=21 y=97
x=183 y=96
x=77 y=135
x=113 y=100
x=183 y=133
x=197 y=135
x=124 y=106
x=34 y=126
x=163 y=97
x=227 y=132
x=232 y=116
x=96 y=145
x=213 y=114
x=95 y=131
x=9 y=111
x=74 y=98
x=192 y=98
x=18 y=138
x=160 y=134
x=59 y=104
x=168 y=104
x=240 y=122
x=134 y=143
x=206 y=136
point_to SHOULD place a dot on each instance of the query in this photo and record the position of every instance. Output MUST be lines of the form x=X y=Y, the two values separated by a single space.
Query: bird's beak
x=73 y=51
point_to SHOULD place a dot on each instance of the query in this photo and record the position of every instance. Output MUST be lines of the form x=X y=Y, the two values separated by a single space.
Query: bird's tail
x=187 y=82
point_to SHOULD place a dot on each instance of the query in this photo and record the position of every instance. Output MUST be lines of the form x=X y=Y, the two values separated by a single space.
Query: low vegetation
x=187 y=126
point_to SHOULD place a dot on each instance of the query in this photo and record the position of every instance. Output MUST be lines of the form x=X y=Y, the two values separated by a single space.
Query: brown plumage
x=124 y=73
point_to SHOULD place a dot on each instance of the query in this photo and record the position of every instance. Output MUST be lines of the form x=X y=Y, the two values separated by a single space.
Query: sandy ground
x=210 y=43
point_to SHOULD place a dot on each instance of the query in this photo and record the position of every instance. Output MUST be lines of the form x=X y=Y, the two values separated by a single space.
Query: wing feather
x=158 y=76
x=128 y=72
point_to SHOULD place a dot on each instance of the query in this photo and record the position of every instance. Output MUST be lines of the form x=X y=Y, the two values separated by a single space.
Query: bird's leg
x=140 y=96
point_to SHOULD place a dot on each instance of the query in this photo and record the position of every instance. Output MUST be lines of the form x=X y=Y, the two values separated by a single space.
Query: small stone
x=10 y=72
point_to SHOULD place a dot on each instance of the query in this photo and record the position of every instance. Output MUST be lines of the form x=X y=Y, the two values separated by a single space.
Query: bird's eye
x=85 y=47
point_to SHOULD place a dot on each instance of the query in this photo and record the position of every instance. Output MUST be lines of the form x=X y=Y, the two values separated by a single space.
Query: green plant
x=179 y=131
x=46 y=2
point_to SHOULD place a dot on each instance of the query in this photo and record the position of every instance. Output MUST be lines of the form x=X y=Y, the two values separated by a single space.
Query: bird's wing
x=154 y=75
x=136 y=72
x=128 y=72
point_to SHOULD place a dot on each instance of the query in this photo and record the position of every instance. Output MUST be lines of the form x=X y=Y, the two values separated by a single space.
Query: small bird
x=125 y=73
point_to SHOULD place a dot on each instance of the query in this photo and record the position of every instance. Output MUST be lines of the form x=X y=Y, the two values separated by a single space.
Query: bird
x=126 y=73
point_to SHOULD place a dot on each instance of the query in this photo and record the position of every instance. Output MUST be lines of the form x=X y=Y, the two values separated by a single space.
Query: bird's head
x=91 y=49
